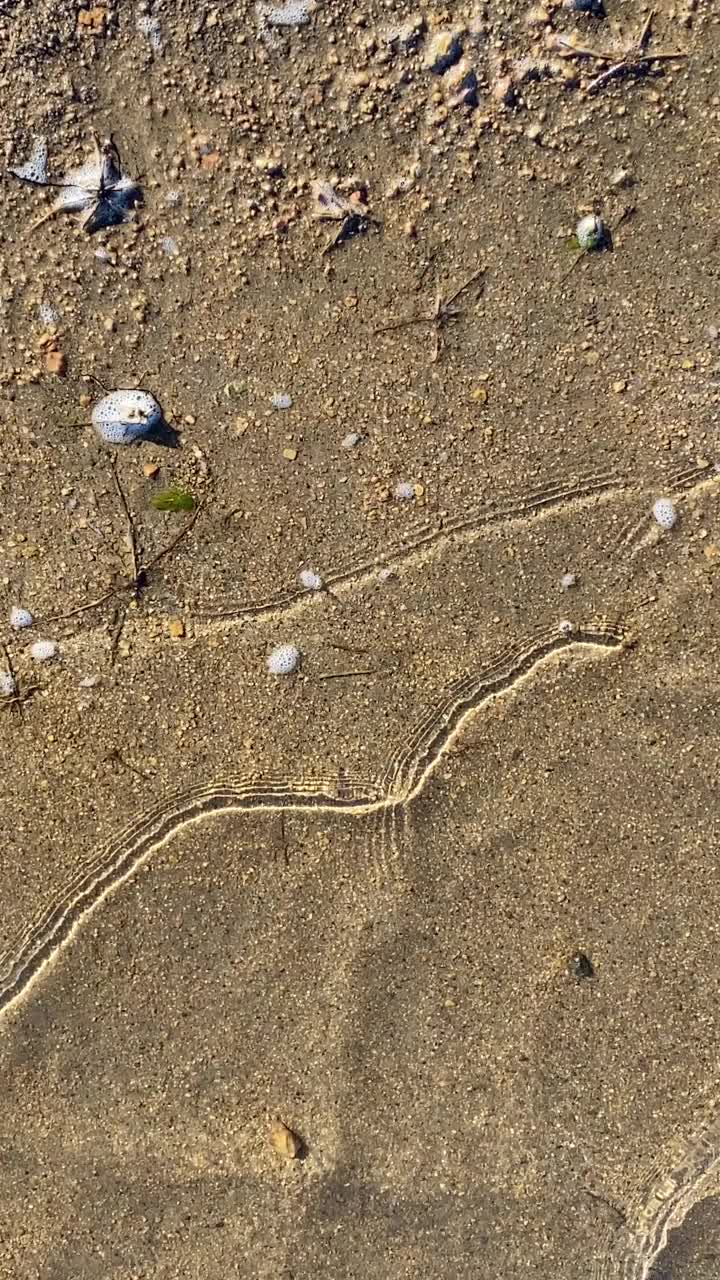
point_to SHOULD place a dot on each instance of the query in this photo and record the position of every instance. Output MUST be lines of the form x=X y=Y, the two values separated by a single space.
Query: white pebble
x=665 y=513
x=385 y=575
x=352 y=439
x=20 y=618
x=281 y=400
x=565 y=628
x=89 y=682
x=404 y=490
x=283 y=660
x=7 y=685
x=567 y=581
x=43 y=650
x=310 y=579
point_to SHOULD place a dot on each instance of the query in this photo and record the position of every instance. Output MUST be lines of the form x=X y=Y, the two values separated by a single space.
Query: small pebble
x=665 y=513
x=310 y=579
x=281 y=400
x=580 y=966
x=350 y=441
x=565 y=628
x=7 y=685
x=20 y=618
x=43 y=650
x=283 y=660
x=384 y=575
x=89 y=682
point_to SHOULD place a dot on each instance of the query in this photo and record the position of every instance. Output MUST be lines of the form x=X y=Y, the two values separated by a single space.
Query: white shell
x=283 y=660
x=310 y=579
x=7 y=685
x=122 y=417
x=20 y=618
x=43 y=651
x=665 y=513
x=590 y=231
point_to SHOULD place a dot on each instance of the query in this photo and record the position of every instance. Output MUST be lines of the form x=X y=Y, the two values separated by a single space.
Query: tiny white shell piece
x=665 y=513
x=125 y=416
x=43 y=650
x=283 y=660
x=20 y=618
x=7 y=685
x=590 y=231
x=311 y=580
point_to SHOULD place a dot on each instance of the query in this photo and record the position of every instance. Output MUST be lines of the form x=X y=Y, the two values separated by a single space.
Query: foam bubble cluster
x=20 y=618
x=7 y=685
x=284 y=660
x=35 y=168
x=665 y=513
x=43 y=651
x=122 y=417
x=311 y=580
x=281 y=400
x=404 y=490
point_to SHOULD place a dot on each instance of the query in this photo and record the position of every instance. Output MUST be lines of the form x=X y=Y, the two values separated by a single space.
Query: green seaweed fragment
x=173 y=500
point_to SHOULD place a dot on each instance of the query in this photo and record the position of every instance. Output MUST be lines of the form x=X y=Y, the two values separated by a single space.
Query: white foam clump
x=352 y=439
x=294 y=13
x=565 y=627
x=310 y=579
x=122 y=417
x=8 y=685
x=35 y=168
x=151 y=29
x=20 y=618
x=43 y=651
x=281 y=400
x=48 y=316
x=665 y=513
x=567 y=581
x=404 y=490
x=283 y=660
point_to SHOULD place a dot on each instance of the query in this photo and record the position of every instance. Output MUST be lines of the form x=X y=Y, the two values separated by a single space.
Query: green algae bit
x=173 y=500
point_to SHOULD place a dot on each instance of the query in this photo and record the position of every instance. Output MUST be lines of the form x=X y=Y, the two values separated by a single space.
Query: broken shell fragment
x=284 y=1141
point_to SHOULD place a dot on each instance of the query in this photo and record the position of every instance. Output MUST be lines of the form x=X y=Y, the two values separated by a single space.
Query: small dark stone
x=580 y=966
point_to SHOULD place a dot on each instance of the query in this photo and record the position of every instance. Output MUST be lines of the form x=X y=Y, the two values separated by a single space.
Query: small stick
x=131 y=531
x=343 y=675
x=145 y=568
x=94 y=604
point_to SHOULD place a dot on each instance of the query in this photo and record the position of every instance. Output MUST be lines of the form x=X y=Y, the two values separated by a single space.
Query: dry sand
x=332 y=918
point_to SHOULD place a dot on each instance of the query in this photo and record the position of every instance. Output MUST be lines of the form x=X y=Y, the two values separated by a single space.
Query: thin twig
x=145 y=568
x=343 y=675
x=131 y=530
